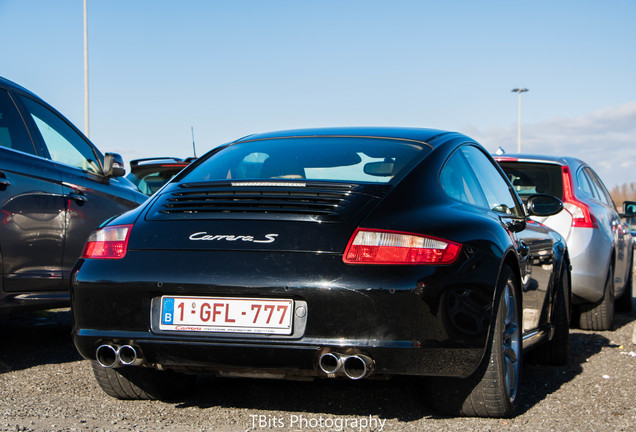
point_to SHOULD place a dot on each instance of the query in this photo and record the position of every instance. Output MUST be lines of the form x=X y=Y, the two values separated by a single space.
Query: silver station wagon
x=600 y=245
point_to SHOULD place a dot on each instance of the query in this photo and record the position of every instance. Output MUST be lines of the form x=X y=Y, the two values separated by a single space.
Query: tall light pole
x=519 y=91
x=86 y=129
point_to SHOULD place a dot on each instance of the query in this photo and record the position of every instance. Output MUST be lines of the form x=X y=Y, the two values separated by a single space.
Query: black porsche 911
x=345 y=252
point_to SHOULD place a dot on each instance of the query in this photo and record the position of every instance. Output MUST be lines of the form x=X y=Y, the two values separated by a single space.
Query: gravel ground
x=46 y=386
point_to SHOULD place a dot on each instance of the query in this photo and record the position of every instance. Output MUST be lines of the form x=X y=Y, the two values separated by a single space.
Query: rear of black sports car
x=298 y=269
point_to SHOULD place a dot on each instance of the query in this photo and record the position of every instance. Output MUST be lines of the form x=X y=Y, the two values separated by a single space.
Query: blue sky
x=235 y=67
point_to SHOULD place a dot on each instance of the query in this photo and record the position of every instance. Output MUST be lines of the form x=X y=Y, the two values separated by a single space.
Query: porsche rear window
x=343 y=159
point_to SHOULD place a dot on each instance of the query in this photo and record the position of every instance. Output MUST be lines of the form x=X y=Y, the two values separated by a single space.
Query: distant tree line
x=624 y=192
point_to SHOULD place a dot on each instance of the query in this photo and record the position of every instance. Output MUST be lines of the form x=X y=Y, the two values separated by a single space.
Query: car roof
x=423 y=135
x=8 y=83
x=534 y=158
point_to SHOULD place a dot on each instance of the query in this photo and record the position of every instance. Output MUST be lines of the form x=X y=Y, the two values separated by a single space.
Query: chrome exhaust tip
x=358 y=366
x=127 y=355
x=107 y=356
x=330 y=363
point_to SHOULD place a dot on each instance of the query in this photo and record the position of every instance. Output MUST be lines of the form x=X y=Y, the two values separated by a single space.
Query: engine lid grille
x=312 y=201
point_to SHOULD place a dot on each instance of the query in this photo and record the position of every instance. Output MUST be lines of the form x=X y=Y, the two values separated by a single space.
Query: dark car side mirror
x=629 y=208
x=543 y=205
x=113 y=165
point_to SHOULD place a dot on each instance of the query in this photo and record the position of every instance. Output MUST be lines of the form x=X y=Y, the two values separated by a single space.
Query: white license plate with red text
x=231 y=315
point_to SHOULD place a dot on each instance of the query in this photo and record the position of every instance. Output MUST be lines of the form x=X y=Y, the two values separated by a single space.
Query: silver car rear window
x=530 y=178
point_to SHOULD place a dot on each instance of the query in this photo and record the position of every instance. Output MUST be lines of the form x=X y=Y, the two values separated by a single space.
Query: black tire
x=556 y=351
x=600 y=315
x=493 y=390
x=624 y=302
x=137 y=383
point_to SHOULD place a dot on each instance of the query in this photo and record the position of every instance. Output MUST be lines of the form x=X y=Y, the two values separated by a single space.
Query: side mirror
x=629 y=208
x=543 y=205
x=113 y=165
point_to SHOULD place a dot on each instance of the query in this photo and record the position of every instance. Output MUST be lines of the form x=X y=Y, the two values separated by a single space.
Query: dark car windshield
x=346 y=159
x=530 y=178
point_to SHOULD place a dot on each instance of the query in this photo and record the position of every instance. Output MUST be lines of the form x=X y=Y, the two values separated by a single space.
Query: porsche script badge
x=269 y=238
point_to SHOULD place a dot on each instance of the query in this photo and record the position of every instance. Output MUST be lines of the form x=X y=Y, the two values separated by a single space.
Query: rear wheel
x=492 y=391
x=556 y=351
x=600 y=315
x=137 y=383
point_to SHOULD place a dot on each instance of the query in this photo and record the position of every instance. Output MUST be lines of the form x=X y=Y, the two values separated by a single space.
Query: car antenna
x=194 y=149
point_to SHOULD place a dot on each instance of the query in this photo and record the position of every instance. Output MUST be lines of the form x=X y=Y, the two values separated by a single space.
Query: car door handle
x=4 y=182
x=78 y=197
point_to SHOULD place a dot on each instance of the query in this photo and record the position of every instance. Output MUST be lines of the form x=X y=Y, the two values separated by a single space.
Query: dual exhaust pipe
x=113 y=356
x=354 y=366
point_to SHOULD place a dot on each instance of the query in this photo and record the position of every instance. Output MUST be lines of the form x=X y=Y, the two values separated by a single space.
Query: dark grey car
x=150 y=174
x=55 y=188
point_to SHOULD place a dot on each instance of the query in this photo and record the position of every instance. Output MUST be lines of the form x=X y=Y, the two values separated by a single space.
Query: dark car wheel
x=556 y=351
x=624 y=302
x=600 y=315
x=493 y=390
x=137 y=383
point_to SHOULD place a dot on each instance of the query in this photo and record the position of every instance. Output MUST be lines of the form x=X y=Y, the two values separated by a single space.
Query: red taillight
x=392 y=247
x=110 y=242
x=506 y=159
x=581 y=216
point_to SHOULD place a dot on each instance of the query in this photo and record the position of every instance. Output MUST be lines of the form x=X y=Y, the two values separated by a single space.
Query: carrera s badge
x=269 y=238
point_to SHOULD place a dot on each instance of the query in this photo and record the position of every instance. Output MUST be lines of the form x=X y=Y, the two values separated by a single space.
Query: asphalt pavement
x=46 y=386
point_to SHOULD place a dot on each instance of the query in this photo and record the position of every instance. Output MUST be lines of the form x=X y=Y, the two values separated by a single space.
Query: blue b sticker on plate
x=167 y=311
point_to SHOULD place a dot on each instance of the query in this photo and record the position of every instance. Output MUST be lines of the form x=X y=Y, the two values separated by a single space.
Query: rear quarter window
x=597 y=188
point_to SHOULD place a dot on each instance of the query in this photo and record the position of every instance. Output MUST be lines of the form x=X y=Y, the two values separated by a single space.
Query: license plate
x=230 y=315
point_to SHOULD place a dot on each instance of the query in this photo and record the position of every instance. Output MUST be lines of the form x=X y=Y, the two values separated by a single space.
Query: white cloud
x=605 y=139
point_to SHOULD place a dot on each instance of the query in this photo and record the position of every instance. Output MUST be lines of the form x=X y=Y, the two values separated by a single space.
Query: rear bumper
x=415 y=320
x=289 y=358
